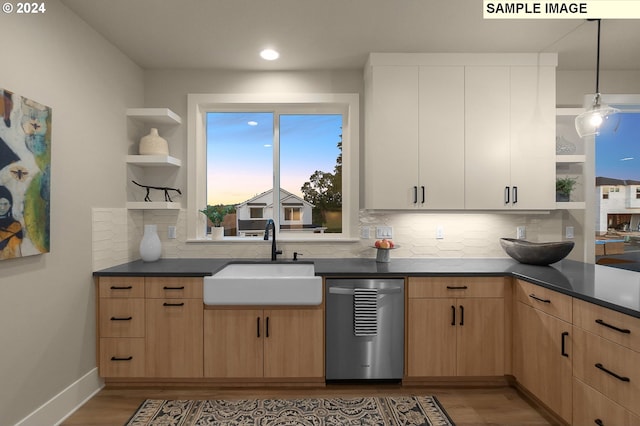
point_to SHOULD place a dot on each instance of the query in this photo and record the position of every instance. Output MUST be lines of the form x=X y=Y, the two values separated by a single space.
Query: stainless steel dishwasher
x=364 y=329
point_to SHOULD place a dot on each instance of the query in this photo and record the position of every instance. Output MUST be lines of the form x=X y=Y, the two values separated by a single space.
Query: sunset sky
x=240 y=152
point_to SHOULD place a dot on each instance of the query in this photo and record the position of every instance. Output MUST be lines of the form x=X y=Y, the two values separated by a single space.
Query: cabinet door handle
x=534 y=297
x=266 y=333
x=121 y=318
x=621 y=378
x=599 y=422
x=258 y=321
x=460 y=287
x=515 y=194
x=415 y=195
x=453 y=315
x=115 y=358
x=613 y=327
x=423 y=194
x=115 y=287
x=461 y=315
x=562 y=350
x=173 y=304
x=173 y=288
x=506 y=195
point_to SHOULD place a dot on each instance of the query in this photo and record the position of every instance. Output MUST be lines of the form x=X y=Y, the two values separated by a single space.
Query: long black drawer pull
x=453 y=313
x=599 y=422
x=460 y=287
x=115 y=358
x=173 y=288
x=533 y=296
x=506 y=195
x=121 y=319
x=423 y=194
x=115 y=287
x=173 y=304
x=515 y=195
x=562 y=351
x=258 y=321
x=621 y=378
x=266 y=333
x=415 y=195
x=461 y=315
x=621 y=330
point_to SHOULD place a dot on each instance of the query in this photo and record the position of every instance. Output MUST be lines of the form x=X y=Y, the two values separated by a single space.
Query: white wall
x=571 y=86
x=47 y=301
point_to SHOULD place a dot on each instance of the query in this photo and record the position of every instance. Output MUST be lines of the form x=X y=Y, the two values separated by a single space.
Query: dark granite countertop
x=614 y=288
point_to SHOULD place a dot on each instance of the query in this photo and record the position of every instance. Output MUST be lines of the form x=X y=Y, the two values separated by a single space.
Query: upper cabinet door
x=510 y=137
x=487 y=147
x=533 y=169
x=441 y=138
x=391 y=137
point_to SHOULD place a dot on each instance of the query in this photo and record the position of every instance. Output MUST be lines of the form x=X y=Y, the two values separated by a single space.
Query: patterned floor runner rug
x=372 y=411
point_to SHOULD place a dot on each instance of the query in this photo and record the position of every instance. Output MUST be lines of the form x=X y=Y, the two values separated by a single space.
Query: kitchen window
x=291 y=158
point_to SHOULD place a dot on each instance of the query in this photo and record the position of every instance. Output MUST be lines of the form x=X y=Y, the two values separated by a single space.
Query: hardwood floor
x=466 y=406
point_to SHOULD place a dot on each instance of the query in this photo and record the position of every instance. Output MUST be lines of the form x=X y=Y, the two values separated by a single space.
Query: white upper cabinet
x=510 y=137
x=415 y=137
x=391 y=125
x=441 y=137
x=460 y=131
x=487 y=153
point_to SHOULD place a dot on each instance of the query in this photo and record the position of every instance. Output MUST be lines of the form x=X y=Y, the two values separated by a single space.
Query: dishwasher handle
x=348 y=291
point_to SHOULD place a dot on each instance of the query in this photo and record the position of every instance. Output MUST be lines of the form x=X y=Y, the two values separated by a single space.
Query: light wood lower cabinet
x=269 y=343
x=542 y=357
x=120 y=325
x=174 y=337
x=590 y=407
x=174 y=314
x=609 y=368
x=149 y=327
x=455 y=327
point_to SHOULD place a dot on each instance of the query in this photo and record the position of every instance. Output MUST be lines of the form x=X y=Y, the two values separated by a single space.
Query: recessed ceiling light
x=269 y=54
x=252 y=123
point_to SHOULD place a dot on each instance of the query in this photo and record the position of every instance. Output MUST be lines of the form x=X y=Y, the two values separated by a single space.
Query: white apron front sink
x=264 y=284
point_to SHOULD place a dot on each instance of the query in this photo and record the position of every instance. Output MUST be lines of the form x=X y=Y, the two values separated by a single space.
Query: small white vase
x=153 y=144
x=150 y=245
x=217 y=232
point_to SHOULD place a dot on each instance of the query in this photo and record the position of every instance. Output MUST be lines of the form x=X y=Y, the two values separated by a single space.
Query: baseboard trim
x=65 y=403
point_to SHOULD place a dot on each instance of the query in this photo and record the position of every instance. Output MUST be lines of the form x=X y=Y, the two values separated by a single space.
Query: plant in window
x=216 y=213
x=564 y=186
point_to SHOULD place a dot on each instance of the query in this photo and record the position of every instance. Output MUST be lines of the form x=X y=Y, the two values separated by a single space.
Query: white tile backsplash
x=117 y=233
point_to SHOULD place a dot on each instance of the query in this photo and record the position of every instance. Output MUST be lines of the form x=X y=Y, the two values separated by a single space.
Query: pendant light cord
x=598 y=61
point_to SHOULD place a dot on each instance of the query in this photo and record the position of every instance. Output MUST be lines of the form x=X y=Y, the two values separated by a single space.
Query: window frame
x=331 y=103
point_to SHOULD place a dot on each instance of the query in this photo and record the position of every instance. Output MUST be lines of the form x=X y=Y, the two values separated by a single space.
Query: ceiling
x=338 y=34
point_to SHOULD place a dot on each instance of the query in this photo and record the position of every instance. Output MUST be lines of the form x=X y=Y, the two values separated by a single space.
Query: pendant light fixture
x=588 y=123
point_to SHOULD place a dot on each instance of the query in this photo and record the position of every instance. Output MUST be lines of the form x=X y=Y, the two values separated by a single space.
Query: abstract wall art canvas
x=25 y=176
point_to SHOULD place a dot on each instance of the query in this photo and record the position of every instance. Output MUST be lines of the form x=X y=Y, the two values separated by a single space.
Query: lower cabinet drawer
x=121 y=317
x=611 y=325
x=546 y=300
x=607 y=367
x=122 y=357
x=590 y=407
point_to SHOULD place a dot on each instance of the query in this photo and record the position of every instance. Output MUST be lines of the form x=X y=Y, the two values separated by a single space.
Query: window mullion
x=276 y=172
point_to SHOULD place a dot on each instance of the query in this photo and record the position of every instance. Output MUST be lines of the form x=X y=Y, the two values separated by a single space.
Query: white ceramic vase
x=217 y=232
x=153 y=144
x=150 y=245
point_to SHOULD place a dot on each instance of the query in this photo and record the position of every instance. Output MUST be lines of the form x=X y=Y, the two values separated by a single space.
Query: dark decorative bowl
x=536 y=253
